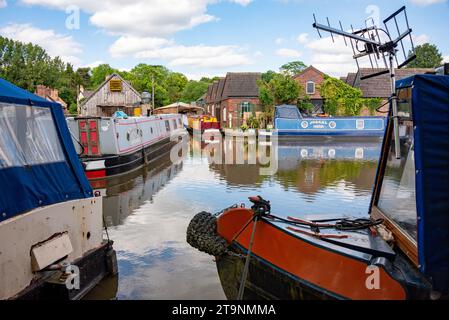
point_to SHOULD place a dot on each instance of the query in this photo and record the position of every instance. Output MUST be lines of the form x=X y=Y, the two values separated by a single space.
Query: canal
x=148 y=211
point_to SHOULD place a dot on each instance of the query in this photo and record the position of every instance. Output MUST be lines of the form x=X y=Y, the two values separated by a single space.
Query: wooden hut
x=114 y=94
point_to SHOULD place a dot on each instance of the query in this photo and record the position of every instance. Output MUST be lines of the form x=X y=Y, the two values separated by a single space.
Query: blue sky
x=207 y=37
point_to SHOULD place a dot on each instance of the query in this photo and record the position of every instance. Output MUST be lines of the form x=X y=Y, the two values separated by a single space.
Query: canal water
x=148 y=211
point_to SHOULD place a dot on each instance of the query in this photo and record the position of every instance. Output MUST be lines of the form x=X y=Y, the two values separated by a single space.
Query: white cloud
x=129 y=45
x=421 y=39
x=427 y=2
x=242 y=2
x=149 y=18
x=200 y=56
x=446 y=59
x=55 y=44
x=279 y=41
x=258 y=54
x=93 y=64
x=145 y=27
x=288 y=53
x=333 y=58
x=3 y=3
x=197 y=76
x=303 y=38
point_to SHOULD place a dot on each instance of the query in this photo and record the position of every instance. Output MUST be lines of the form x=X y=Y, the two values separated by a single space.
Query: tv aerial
x=384 y=48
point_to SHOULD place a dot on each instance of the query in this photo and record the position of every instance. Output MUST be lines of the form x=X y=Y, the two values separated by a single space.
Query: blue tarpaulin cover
x=430 y=108
x=36 y=182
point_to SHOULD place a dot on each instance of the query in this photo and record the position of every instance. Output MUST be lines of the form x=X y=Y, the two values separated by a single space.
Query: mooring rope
x=248 y=258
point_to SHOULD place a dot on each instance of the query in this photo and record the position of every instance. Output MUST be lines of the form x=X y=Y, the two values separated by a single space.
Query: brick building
x=379 y=87
x=310 y=79
x=233 y=99
x=52 y=95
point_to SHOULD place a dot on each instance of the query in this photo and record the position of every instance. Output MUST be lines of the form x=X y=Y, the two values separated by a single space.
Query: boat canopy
x=288 y=112
x=430 y=114
x=38 y=162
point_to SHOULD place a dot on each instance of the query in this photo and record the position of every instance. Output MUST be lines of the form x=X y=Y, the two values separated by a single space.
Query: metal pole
x=152 y=93
x=248 y=258
x=394 y=104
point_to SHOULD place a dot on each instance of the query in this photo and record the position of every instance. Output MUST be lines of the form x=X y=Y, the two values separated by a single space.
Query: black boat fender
x=202 y=235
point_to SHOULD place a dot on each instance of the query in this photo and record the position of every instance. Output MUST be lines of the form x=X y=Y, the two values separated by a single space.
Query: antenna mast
x=380 y=47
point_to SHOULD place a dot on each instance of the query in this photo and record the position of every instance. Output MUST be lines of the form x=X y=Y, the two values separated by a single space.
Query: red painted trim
x=96 y=174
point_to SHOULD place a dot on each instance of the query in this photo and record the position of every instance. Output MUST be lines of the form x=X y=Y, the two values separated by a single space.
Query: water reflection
x=149 y=211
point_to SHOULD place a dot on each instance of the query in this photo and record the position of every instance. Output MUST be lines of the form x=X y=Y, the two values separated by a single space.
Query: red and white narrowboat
x=112 y=146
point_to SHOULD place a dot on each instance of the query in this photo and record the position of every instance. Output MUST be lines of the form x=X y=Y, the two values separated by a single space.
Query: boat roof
x=30 y=184
x=287 y=112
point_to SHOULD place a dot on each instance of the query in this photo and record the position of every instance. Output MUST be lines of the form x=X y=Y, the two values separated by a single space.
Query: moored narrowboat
x=112 y=146
x=289 y=121
x=51 y=223
x=398 y=251
x=203 y=123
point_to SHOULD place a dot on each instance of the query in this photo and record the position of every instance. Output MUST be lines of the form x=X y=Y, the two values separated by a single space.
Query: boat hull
x=112 y=166
x=338 y=127
x=291 y=266
x=24 y=271
x=109 y=147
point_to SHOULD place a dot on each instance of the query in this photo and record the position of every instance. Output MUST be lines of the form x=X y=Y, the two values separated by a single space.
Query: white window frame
x=307 y=87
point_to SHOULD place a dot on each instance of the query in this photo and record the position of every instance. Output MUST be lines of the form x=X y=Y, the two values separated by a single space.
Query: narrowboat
x=203 y=123
x=399 y=251
x=113 y=146
x=288 y=121
x=51 y=222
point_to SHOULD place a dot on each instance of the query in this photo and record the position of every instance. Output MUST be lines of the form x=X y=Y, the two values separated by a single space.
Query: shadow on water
x=148 y=211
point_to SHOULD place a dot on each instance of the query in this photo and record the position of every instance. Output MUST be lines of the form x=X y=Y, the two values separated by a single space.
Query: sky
x=209 y=37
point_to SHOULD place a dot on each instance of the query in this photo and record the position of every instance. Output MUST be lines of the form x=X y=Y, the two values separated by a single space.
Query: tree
x=83 y=77
x=194 y=90
x=175 y=84
x=340 y=99
x=293 y=68
x=100 y=73
x=427 y=56
x=28 y=65
x=280 y=89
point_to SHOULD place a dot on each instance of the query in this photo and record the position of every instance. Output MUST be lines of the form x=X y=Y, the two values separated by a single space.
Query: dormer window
x=310 y=87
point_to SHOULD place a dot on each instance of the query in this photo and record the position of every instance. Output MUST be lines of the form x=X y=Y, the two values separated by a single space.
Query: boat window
x=167 y=126
x=179 y=122
x=28 y=137
x=397 y=198
x=310 y=87
x=174 y=124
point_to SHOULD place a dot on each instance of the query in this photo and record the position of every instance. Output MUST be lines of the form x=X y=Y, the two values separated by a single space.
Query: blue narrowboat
x=288 y=121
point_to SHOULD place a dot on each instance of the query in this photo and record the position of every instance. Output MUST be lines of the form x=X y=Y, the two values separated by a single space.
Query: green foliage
x=73 y=109
x=427 y=56
x=253 y=122
x=304 y=104
x=83 y=77
x=277 y=89
x=341 y=99
x=99 y=74
x=194 y=90
x=28 y=65
x=293 y=68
